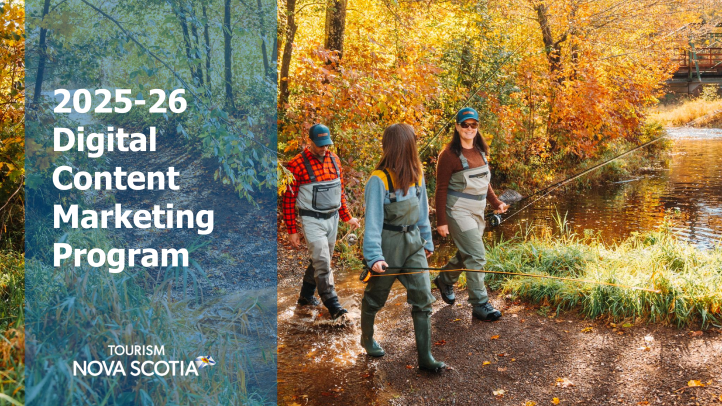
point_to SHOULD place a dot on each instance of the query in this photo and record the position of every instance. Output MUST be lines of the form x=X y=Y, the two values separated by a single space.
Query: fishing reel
x=493 y=219
x=365 y=275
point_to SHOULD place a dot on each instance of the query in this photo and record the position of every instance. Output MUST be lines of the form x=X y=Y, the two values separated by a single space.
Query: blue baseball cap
x=320 y=135
x=465 y=114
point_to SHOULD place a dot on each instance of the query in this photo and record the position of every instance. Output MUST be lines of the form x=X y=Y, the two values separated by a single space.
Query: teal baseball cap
x=320 y=135
x=465 y=114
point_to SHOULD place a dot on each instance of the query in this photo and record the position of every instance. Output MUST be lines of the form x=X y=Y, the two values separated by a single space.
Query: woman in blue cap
x=462 y=192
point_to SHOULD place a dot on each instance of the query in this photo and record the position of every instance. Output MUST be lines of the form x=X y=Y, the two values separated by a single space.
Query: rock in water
x=510 y=196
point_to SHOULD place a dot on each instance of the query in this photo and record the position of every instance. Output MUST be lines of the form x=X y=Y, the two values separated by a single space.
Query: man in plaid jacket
x=318 y=194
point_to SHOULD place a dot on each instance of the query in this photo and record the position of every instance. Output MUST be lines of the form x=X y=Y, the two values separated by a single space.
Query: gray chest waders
x=402 y=245
x=465 y=204
x=318 y=203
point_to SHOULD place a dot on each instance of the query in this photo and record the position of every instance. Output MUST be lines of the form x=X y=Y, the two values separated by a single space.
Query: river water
x=317 y=357
x=686 y=182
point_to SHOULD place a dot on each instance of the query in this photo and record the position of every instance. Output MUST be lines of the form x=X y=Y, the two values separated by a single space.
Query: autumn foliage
x=557 y=82
x=12 y=133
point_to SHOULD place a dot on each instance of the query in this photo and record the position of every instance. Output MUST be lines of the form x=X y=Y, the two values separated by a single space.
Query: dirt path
x=531 y=357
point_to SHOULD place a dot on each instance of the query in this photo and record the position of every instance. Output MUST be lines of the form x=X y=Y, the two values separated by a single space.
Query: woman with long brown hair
x=398 y=234
x=462 y=191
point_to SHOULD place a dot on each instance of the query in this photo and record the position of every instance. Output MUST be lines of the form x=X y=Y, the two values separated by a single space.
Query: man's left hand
x=354 y=223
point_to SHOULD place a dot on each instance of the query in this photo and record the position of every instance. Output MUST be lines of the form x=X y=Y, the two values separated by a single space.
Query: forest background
x=559 y=84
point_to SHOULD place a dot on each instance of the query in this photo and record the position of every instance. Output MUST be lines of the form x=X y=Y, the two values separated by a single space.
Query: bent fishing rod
x=367 y=274
x=496 y=219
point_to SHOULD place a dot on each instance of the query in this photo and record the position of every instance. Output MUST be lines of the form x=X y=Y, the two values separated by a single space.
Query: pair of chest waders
x=402 y=246
x=465 y=204
x=318 y=203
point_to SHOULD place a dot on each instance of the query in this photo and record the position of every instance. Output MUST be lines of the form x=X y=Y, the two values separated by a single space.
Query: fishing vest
x=468 y=187
x=320 y=199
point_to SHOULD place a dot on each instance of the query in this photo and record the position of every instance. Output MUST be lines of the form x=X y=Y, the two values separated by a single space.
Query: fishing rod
x=496 y=219
x=367 y=274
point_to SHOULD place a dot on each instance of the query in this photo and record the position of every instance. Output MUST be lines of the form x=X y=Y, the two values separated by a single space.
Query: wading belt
x=400 y=229
x=316 y=214
x=465 y=195
x=367 y=274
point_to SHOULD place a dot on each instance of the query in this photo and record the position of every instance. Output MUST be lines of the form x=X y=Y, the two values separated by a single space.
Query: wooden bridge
x=704 y=62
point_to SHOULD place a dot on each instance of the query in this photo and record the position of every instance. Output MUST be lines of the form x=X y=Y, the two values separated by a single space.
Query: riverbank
x=533 y=354
x=705 y=111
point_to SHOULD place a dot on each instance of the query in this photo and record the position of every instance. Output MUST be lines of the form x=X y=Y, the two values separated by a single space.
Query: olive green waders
x=465 y=204
x=402 y=246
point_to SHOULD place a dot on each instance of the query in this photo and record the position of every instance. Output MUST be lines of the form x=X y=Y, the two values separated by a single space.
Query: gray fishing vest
x=320 y=197
x=468 y=187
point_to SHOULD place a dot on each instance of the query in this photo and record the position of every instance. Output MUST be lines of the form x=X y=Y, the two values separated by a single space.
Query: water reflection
x=688 y=180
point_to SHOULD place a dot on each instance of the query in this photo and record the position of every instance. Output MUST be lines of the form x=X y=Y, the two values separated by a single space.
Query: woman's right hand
x=443 y=230
x=379 y=267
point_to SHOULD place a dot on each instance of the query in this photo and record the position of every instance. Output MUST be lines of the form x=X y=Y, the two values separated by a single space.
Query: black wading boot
x=447 y=291
x=334 y=308
x=367 y=335
x=422 y=330
x=486 y=312
x=306 y=298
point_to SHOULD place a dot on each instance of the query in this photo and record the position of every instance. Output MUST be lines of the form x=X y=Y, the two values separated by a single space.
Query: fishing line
x=557 y=185
x=367 y=274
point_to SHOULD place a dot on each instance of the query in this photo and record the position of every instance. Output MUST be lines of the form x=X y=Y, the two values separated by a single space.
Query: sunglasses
x=473 y=125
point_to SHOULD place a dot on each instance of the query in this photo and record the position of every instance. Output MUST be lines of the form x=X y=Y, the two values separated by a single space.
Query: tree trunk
x=551 y=47
x=196 y=47
x=228 y=74
x=335 y=25
x=266 y=67
x=287 y=51
x=41 y=57
x=207 y=39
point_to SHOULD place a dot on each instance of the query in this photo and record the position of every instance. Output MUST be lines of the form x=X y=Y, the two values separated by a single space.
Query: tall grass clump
x=687 y=111
x=12 y=338
x=690 y=279
x=74 y=313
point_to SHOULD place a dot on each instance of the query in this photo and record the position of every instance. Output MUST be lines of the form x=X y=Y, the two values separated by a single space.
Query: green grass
x=12 y=338
x=690 y=279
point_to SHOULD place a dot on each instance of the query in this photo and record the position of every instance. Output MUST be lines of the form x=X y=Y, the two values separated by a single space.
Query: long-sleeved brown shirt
x=449 y=163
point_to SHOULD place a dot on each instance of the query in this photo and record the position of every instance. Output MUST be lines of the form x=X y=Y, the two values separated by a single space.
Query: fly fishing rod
x=496 y=219
x=367 y=274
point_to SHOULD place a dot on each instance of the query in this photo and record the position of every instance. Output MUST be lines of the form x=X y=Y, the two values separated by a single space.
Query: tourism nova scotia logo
x=120 y=363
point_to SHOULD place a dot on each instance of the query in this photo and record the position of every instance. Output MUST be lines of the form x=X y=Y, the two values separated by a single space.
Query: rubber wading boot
x=306 y=298
x=422 y=330
x=447 y=291
x=486 y=312
x=367 y=336
x=334 y=307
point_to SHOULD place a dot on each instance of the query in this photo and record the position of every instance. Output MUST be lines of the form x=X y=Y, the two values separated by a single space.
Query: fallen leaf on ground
x=501 y=355
x=695 y=383
x=530 y=403
x=587 y=330
x=696 y=333
x=627 y=325
x=513 y=359
x=499 y=393
x=500 y=369
x=495 y=337
x=409 y=367
x=564 y=382
x=337 y=390
x=642 y=403
x=455 y=320
x=648 y=338
x=644 y=348
x=486 y=363
x=720 y=398
x=555 y=401
x=442 y=342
